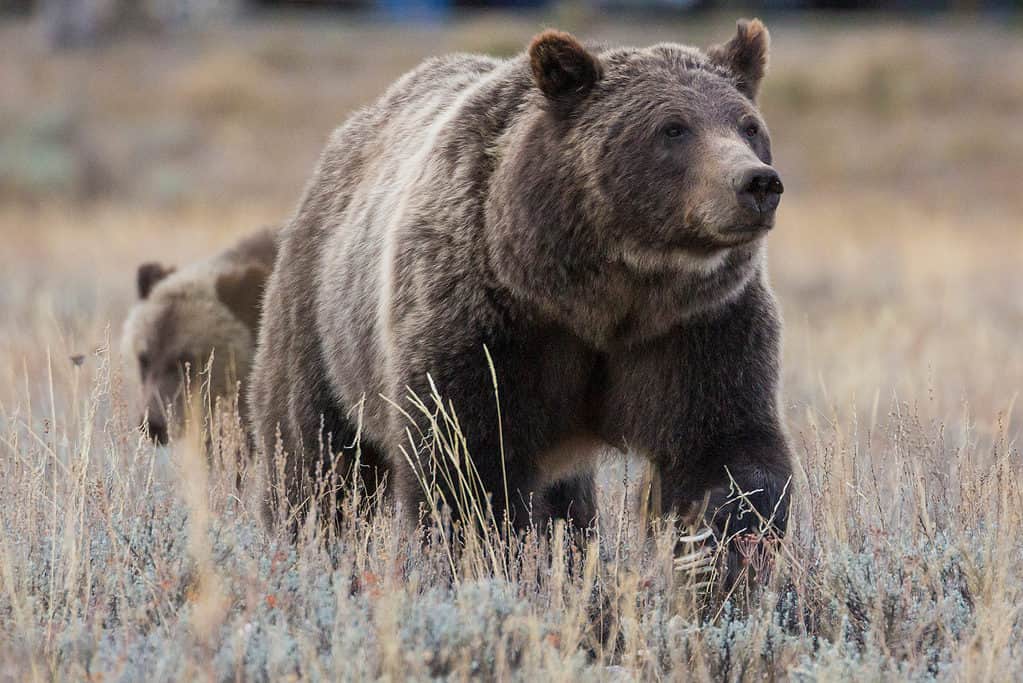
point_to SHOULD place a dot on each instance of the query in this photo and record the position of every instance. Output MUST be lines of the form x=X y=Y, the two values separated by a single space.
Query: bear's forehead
x=652 y=86
x=669 y=73
x=664 y=59
x=154 y=323
x=177 y=321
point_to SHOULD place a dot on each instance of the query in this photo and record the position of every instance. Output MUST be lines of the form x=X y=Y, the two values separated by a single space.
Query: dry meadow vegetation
x=898 y=260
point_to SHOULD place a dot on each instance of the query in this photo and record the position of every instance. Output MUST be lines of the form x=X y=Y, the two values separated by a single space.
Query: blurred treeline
x=72 y=23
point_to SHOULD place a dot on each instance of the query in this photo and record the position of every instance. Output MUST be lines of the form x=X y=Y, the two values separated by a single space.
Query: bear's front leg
x=506 y=430
x=702 y=403
x=739 y=484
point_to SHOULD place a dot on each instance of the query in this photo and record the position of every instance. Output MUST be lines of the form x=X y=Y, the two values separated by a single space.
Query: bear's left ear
x=745 y=55
x=241 y=290
x=148 y=275
x=562 y=68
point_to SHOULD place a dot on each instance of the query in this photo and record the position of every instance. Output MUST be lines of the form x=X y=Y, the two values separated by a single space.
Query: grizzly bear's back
x=397 y=184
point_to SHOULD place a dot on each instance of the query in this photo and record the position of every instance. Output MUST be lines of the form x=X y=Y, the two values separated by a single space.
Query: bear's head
x=190 y=327
x=655 y=160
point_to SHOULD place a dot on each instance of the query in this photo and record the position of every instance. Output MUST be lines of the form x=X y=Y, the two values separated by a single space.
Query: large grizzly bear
x=594 y=220
x=184 y=317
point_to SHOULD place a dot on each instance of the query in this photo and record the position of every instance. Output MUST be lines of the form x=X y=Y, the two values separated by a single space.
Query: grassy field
x=898 y=260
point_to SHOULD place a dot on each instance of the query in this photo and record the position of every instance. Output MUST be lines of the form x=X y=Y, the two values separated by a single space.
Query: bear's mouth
x=661 y=258
x=741 y=233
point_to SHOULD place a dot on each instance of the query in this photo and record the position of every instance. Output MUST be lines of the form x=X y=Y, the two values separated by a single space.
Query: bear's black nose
x=760 y=189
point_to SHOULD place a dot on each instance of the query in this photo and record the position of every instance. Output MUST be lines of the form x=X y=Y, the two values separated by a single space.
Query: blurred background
x=165 y=129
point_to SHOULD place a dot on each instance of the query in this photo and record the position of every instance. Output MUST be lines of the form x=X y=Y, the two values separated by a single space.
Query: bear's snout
x=156 y=426
x=759 y=191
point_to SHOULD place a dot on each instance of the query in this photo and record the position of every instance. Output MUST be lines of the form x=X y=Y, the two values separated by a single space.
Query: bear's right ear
x=241 y=290
x=562 y=68
x=745 y=55
x=149 y=274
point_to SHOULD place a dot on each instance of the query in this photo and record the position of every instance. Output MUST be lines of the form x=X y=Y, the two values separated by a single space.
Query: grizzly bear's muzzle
x=156 y=427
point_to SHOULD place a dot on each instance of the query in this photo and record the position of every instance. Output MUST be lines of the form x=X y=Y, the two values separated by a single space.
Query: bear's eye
x=674 y=130
x=751 y=130
x=143 y=363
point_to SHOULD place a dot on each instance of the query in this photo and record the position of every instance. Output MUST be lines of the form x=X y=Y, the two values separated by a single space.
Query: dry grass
x=897 y=260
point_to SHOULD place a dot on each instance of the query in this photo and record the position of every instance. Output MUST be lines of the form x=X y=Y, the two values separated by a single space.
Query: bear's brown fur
x=595 y=220
x=184 y=317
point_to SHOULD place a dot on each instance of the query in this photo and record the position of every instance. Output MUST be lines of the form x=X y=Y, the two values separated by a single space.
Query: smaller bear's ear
x=745 y=55
x=149 y=274
x=562 y=68
x=241 y=290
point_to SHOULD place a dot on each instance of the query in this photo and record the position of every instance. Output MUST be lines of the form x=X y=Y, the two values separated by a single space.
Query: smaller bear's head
x=657 y=158
x=189 y=327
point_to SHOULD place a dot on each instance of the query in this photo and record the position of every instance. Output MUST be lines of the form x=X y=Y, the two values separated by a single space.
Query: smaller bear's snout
x=759 y=188
x=157 y=427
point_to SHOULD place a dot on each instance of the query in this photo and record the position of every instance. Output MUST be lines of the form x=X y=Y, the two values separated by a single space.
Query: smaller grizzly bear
x=184 y=317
